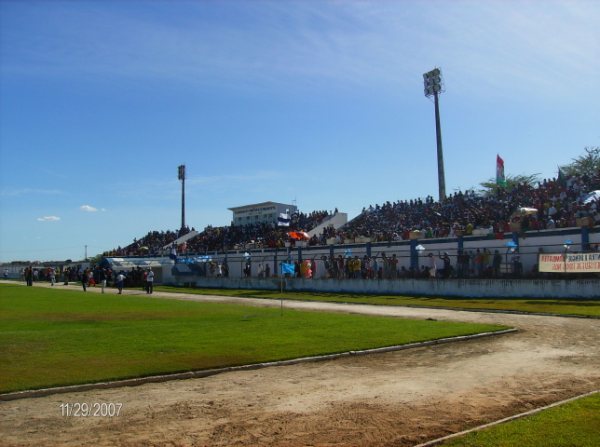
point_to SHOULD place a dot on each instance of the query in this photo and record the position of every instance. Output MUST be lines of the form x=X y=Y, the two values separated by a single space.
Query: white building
x=265 y=212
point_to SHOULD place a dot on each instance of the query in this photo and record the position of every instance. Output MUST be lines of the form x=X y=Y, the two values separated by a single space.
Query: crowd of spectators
x=552 y=203
x=224 y=238
x=469 y=264
x=151 y=244
x=254 y=236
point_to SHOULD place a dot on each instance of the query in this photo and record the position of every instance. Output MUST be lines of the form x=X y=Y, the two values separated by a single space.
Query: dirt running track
x=393 y=399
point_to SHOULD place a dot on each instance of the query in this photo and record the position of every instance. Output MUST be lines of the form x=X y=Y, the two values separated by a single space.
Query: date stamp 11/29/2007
x=90 y=409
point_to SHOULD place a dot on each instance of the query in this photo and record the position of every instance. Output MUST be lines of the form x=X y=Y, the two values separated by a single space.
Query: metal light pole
x=181 y=176
x=433 y=87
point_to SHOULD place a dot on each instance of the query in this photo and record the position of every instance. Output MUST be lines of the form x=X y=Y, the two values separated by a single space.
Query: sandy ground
x=393 y=399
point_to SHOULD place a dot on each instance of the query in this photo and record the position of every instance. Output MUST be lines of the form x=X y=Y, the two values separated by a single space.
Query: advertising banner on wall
x=573 y=263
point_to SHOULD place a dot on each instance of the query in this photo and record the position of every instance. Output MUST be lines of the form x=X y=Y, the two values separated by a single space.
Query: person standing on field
x=84 y=280
x=149 y=281
x=29 y=275
x=120 y=282
x=102 y=278
x=90 y=278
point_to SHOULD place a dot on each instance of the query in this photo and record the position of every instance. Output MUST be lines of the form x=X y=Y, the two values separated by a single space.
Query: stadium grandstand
x=260 y=235
x=569 y=201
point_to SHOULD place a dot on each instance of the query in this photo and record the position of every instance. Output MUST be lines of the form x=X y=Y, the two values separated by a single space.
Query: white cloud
x=48 y=219
x=88 y=208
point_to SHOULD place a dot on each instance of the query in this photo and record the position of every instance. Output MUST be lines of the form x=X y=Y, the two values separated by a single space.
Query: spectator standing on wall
x=496 y=262
x=447 y=268
x=340 y=267
x=517 y=266
x=375 y=268
x=432 y=266
x=150 y=281
x=394 y=266
x=225 y=269
x=465 y=260
x=486 y=259
x=478 y=263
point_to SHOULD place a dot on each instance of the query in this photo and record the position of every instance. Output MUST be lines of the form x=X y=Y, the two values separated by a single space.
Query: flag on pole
x=287 y=268
x=500 y=178
x=283 y=220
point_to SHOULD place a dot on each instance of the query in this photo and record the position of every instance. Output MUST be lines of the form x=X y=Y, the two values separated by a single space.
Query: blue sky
x=314 y=101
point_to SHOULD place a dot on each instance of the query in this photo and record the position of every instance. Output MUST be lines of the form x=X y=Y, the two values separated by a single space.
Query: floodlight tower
x=181 y=176
x=433 y=87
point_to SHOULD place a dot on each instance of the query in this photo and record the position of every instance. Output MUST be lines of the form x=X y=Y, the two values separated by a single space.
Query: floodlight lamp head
x=433 y=82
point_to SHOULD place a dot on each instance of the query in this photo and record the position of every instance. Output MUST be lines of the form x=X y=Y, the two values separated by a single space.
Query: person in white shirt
x=120 y=282
x=432 y=265
x=149 y=281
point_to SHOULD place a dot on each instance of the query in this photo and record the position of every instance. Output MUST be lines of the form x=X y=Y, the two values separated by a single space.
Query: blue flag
x=287 y=268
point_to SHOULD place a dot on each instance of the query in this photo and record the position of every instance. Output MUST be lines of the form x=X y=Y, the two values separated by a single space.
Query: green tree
x=491 y=187
x=587 y=164
x=95 y=259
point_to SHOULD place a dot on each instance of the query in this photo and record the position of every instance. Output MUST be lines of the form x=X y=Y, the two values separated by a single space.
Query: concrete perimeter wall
x=551 y=241
x=480 y=288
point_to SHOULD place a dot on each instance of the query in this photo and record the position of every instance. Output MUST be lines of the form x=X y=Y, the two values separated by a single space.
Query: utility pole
x=85 y=253
x=433 y=87
x=181 y=176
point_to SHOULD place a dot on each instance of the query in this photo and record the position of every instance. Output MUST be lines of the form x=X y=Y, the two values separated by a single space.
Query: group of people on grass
x=89 y=277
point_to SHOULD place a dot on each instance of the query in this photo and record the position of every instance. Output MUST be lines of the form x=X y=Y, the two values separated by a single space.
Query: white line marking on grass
x=438 y=441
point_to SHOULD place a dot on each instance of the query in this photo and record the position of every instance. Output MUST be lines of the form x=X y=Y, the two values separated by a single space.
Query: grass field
x=588 y=308
x=51 y=337
x=576 y=423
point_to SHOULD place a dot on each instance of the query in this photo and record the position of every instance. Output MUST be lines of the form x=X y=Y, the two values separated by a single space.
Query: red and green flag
x=500 y=178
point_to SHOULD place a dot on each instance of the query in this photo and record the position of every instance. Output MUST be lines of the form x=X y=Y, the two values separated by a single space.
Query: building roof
x=237 y=208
